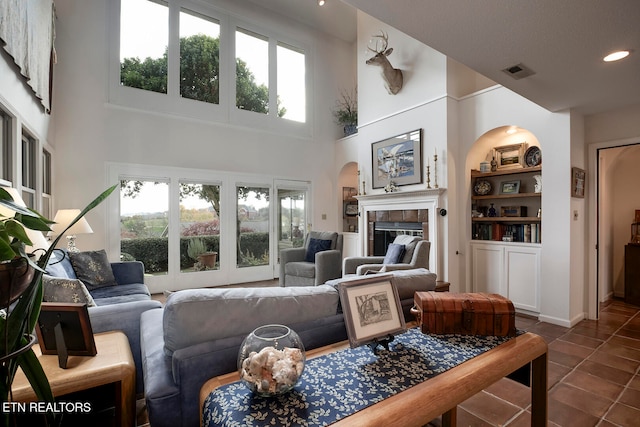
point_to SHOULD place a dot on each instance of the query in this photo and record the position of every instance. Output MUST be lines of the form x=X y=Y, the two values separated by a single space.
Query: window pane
x=28 y=161
x=144 y=37
x=252 y=71
x=199 y=226
x=199 y=57
x=291 y=83
x=253 y=226
x=144 y=223
x=5 y=146
x=292 y=225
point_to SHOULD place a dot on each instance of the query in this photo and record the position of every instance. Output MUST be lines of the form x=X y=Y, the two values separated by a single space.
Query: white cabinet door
x=350 y=244
x=488 y=269
x=522 y=273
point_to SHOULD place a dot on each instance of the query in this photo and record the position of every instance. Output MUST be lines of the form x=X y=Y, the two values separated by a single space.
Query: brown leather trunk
x=464 y=313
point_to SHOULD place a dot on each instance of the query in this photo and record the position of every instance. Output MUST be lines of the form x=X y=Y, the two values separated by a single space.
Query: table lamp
x=62 y=220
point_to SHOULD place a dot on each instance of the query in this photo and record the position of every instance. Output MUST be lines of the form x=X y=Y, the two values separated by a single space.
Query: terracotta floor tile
x=512 y=392
x=635 y=383
x=490 y=408
x=623 y=415
x=565 y=415
x=630 y=333
x=620 y=351
x=555 y=373
x=593 y=384
x=580 y=399
x=571 y=349
x=582 y=340
x=548 y=329
x=615 y=361
x=608 y=373
x=564 y=359
x=593 y=332
x=467 y=419
x=630 y=397
x=625 y=341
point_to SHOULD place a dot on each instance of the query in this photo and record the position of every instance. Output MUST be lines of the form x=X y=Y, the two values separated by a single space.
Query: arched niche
x=482 y=148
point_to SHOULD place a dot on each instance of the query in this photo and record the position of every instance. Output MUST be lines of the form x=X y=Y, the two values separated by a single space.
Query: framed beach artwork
x=397 y=159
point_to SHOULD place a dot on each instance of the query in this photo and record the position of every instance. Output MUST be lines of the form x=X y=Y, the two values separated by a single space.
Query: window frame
x=225 y=111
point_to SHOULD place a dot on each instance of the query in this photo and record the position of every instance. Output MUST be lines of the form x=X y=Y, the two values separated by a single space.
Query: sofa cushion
x=121 y=290
x=324 y=235
x=59 y=265
x=394 y=254
x=315 y=246
x=62 y=289
x=410 y=243
x=93 y=268
x=300 y=269
x=198 y=315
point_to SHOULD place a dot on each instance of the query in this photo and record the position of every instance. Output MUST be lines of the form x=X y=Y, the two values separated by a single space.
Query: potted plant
x=197 y=250
x=346 y=112
x=21 y=284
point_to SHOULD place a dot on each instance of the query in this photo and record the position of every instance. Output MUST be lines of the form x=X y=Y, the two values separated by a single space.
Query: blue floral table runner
x=339 y=384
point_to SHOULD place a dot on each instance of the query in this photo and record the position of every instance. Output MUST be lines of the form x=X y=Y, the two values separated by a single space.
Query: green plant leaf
x=32 y=369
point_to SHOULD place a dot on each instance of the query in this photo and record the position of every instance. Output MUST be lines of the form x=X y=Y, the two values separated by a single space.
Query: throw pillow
x=315 y=246
x=93 y=268
x=60 y=289
x=394 y=253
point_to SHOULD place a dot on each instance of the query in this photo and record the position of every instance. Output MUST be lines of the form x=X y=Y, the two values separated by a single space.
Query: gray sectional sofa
x=117 y=307
x=197 y=335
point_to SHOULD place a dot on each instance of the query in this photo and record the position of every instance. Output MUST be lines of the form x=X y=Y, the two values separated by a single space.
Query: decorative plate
x=482 y=187
x=533 y=156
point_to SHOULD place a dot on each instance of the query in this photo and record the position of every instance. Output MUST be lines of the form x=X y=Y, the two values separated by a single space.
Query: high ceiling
x=562 y=42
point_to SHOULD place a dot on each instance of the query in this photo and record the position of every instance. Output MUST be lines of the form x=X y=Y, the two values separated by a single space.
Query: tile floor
x=594 y=376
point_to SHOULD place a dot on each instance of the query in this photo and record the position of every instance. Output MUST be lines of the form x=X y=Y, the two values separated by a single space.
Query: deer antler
x=385 y=42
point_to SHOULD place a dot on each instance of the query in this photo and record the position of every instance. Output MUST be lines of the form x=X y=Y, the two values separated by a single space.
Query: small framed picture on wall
x=578 y=181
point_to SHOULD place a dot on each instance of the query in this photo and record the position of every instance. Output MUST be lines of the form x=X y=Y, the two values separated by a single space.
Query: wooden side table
x=112 y=365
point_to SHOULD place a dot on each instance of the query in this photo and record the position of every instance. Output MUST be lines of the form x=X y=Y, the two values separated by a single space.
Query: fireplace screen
x=384 y=233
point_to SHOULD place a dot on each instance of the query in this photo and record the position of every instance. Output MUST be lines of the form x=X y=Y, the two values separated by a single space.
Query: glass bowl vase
x=271 y=360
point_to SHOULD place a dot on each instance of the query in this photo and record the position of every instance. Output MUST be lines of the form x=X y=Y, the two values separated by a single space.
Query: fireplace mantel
x=429 y=199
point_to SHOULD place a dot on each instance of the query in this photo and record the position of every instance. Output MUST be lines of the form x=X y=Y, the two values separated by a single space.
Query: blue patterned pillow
x=394 y=254
x=315 y=246
x=93 y=268
x=61 y=289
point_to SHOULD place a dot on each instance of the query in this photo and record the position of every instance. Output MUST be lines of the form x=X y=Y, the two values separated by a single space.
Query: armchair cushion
x=394 y=254
x=315 y=246
x=93 y=268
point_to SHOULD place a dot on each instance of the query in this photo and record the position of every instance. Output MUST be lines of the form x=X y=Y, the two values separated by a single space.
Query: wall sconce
x=62 y=220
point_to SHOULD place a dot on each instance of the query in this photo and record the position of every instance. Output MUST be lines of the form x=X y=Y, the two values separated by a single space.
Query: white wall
x=91 y=132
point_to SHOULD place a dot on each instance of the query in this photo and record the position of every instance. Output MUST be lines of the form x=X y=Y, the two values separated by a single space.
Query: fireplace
x=387 y=215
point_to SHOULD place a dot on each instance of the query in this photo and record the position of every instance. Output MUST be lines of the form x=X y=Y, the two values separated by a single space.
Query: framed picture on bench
x=372 y=310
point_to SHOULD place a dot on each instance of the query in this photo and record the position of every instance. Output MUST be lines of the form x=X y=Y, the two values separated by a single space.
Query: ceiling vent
x=519 y=71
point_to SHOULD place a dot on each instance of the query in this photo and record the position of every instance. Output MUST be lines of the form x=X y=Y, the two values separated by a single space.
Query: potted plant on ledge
x=21 y=294
x=346 y=112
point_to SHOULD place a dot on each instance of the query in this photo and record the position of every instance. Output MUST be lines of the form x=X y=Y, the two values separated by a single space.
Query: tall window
x=5 y=146
x=46 y=185
x=199 y=226
x=199 y=57
x=144 y=37
x=29 y=173
x=253 y=226
x=144 y=224
x=252 y=71
x=291 y=83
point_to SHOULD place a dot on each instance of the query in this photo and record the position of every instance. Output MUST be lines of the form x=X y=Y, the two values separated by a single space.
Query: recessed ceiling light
x=511 y=130
x=320 y=2
x=616 y=56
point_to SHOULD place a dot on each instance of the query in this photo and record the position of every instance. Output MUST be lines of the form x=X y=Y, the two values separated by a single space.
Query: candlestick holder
x=428 y=178
x=435 y=170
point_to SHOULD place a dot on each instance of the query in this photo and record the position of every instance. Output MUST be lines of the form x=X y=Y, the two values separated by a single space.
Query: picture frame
x=397 y=159
x=65 y=329
x=578 y=182
x=510 y=187
x=509 y=156
x=371 y=308
x=351 y=209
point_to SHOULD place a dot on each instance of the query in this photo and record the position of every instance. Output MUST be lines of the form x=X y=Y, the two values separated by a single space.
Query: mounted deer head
x=392 y=76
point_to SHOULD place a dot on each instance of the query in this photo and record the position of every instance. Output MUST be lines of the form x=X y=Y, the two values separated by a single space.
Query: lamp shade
x=36 y=237
x=62 y=220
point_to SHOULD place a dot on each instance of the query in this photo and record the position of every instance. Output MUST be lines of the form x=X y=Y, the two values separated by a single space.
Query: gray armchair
x=416 y=255
x=301 y=267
